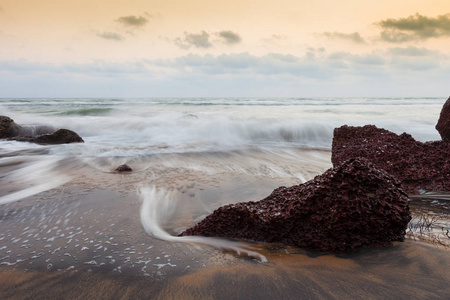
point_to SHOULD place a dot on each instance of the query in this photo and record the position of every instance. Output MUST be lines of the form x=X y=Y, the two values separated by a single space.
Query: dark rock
x=348 y=207
x=443 y=124
x=124 y=168
x=61 y=136
x=36 y=134
x=8 y=128
x=419 y=166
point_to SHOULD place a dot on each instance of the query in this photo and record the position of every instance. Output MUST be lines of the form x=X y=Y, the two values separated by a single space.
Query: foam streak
x=159 y=205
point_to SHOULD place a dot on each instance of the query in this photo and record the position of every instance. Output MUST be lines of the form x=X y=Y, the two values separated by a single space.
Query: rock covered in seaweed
x=348 y=207
x=443 y=124
x=419 y=166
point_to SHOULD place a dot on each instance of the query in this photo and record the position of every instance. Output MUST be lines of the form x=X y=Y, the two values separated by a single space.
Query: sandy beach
x=124 y=124
x=406 y=270
x=85 y=239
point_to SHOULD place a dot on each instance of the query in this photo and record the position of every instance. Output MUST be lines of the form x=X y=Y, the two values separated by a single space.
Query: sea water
x=260 y=138
x=130 y=127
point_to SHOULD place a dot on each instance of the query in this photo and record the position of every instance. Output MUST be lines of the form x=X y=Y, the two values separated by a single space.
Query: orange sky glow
x=202 y=48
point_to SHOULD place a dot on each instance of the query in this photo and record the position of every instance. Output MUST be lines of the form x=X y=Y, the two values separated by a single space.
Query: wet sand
x=404 y=271
x=407 y=270
x=85 y=240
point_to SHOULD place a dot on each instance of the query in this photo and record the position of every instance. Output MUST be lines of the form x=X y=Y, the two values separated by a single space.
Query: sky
x=199 y=48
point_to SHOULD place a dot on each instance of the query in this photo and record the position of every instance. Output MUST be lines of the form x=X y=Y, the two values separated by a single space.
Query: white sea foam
x=134 y=127
x=158 y=206
x=35 y=175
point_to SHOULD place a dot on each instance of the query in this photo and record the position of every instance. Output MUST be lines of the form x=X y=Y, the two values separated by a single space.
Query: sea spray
x=176 y=133
x=159 y=205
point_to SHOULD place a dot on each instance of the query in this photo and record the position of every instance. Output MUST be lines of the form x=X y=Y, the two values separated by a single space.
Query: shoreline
x=85 y=239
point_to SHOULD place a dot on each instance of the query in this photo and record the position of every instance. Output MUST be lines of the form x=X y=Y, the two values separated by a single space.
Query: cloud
x=110 y=36
x=133 y=21
x=230 y=37
x=275 y=39
x=240 y=64
x=397 y=37
x=278 y=37
x=417 y=59
x=200 y=40
x=321 y=65
x=94 y=68
x=205 y=40
x=415 y=27
x=326 y=65
x=413 y=51
x=353 y=37
x=396 y=71
x=368 y=64
x=130 y=23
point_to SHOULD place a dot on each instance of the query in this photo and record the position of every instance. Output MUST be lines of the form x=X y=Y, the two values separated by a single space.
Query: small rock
x=124 y=168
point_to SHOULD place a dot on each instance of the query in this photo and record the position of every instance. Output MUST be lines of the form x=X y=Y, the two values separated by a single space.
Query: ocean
x=120 y=131
x=192 y=155
x=139 y=127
